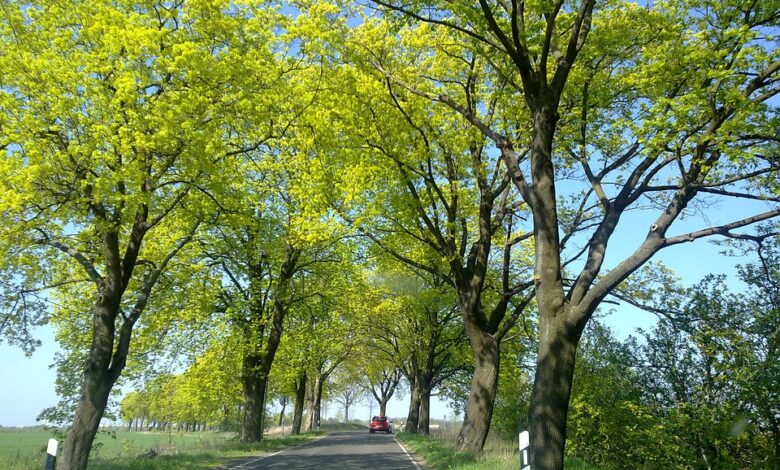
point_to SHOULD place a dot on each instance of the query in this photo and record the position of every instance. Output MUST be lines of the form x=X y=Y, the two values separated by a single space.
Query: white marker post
x=525 y=451
x=51 y=455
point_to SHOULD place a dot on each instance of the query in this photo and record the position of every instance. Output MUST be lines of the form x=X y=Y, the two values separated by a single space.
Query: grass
x=438 y=452
x=24 y=449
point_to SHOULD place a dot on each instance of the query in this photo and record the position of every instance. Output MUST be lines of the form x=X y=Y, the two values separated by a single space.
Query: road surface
x=355 y=450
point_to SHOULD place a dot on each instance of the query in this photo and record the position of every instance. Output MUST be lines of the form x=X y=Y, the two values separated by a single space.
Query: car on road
x=380 y=423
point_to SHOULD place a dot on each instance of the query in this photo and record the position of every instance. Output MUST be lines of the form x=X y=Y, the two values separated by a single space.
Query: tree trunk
x=101 y=370
x=550 y=397
x=254 y=381
x=413 y=418
x=383 y=407
x=479 y=408
x=300 y=396
x=315 y=400
x=424 y=421
x=281 y=414
x=92 y=403
x=263 y=342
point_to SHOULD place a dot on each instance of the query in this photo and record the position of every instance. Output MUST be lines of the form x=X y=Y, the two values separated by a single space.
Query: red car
x=380 y=423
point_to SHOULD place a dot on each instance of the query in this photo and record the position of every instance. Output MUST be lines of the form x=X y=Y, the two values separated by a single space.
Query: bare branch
x=723 y=230
x=80 y=257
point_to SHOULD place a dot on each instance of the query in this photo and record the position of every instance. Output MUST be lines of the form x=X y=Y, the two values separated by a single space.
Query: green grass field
x=24 y=449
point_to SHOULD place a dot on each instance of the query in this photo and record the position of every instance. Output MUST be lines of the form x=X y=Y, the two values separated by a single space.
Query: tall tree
x=347 y=387
x=383 y=386
x=112 y=123
x=439 y=202
x=664 y=104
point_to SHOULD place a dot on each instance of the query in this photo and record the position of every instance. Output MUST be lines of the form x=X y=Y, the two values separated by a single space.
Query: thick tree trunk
x=99 y=376
x=259 y=359
x=313 y=420
x=479 y=409
x=383 y=407
x=413 y=418
x=254 y=381
x=300 y=396
x=550 y=397
x=424 y=421
x=78 y=442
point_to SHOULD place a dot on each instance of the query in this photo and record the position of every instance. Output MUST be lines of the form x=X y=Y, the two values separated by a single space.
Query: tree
x=383 y=386
x=763 y=334
x=347 y=388
x=715 y=376
x=442 y=205
x=112 y=120
x=134 y=408
x=667 y=104
x=609 y=423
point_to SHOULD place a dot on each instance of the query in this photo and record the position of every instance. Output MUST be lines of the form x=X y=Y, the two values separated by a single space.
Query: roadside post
x=51 y=455
x=525 y=451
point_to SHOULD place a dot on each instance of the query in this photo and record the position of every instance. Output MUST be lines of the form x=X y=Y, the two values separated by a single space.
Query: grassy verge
x=438 y=452
x=206 y=456
x=121 y=450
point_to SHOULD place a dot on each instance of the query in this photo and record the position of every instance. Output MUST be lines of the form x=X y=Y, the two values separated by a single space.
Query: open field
x=23 y=449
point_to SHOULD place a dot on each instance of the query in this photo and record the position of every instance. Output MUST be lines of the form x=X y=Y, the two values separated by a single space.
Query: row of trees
x=245 y=185
x=698 y=389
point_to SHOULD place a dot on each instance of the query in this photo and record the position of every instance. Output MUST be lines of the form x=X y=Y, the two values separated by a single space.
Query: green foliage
x=700 y=391
x=232 y=134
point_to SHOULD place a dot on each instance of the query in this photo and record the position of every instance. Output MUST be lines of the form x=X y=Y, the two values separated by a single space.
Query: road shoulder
x=417 y=461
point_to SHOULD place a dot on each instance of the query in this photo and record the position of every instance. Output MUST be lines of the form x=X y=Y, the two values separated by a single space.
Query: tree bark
x=254 y=384
x=262 y=341
x=281 y=414
x=98 y=378
x=424 y=420
x=479 y=408
x=300 y=396
x=315 y=401
x=550 y=396
x=413 y=418
x=92 y=404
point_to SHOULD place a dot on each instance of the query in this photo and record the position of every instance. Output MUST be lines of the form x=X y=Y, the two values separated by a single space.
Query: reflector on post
x=525 y=451
x=51 y=455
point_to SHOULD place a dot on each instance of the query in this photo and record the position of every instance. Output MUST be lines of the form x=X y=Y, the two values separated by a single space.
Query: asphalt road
x=338 y=451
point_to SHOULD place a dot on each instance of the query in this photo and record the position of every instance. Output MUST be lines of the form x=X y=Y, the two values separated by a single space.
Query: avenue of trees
x=224 y=204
